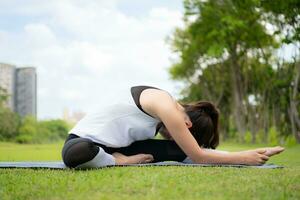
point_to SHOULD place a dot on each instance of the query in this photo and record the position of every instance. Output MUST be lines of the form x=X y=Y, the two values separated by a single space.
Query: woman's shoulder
x=153 y=90
x=153 y=97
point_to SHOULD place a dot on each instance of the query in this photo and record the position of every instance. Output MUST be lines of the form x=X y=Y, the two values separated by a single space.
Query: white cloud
x=39 y=36
x=84 y=50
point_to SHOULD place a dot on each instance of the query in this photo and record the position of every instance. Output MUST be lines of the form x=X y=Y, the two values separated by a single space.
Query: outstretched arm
x=166 y=109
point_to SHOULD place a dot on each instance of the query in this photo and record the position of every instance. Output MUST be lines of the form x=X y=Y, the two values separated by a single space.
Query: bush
x=28 y=130
x=273 y=136
x=248 y=137
x=24 y=139
x=290 y=141
x=56 y=129
x=260 y=136
x=9 y=124
x=33 y=131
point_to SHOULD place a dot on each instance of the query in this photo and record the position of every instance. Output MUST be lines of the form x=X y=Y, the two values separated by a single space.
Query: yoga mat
x=61 y=165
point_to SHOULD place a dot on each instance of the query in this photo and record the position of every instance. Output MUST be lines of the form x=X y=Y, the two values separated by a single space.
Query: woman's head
x=205 y=118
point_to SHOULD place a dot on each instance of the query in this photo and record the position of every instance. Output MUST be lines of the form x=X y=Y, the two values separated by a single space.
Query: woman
x=122 y=133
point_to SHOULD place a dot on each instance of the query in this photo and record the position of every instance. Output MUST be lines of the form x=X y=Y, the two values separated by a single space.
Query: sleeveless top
x=120 y=123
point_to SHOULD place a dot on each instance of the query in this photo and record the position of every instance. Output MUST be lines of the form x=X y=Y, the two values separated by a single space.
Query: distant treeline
x=228 y=53
x=13 y=128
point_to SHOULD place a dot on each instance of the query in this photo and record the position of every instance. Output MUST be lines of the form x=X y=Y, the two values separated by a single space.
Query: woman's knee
x=78 y=150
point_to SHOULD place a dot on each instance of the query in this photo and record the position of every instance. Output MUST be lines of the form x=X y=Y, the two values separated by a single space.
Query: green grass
x=147 y=182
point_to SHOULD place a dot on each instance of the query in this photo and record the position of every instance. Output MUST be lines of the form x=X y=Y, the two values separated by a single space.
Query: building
x=21 y=86
x=7 y=82
x=26 y=91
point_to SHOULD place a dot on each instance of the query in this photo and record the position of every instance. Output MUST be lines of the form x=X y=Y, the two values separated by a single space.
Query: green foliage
x=227 y=54
x=285 y=14
x=3 y=96
x=248 y=137
x=28 y=131
x=273 y=137
x=260 y=136
x=54 y=129
x=290 y=141
x=25 y=138
x=9 y=123
x=232 y=132
x=33 y=131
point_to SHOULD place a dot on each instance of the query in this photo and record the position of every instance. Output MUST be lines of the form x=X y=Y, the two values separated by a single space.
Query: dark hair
x=205 y=121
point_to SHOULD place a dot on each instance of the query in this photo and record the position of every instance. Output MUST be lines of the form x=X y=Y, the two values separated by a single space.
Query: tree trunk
x=294 y=115
x=253 y=123
x=266 y=125
x=237 y=89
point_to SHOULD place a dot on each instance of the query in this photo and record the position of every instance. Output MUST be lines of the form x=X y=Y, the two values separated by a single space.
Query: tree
x=285 y=17
x=9 y=121
x=226 y=33
x=3 y=96
x=29 y=131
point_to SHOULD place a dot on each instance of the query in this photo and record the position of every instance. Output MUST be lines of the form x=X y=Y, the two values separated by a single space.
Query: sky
x=86 y=52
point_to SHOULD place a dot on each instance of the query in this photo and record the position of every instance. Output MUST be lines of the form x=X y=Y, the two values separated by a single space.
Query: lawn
x=147 y=182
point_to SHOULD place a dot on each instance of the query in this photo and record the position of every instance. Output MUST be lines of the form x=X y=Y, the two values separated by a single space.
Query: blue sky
x=86 y=52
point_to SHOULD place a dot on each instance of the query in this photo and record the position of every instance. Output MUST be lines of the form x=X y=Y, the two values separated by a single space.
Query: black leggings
x=79 y=150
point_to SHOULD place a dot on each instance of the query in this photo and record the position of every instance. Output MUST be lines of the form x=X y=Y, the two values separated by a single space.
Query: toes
x=148 y=158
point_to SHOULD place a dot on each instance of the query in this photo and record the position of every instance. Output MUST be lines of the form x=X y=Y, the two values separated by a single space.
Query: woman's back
x=120 y=123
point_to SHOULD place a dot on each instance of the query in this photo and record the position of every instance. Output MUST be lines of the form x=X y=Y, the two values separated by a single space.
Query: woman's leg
x=168 y=150
x=161 y=150
x=83 y=153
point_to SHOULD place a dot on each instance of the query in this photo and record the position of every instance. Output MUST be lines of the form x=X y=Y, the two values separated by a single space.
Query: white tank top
x=118 y=124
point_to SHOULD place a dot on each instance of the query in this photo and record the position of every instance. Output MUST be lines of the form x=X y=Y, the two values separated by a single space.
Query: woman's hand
x=252 y=157
x=135 y=159
x=271 y=151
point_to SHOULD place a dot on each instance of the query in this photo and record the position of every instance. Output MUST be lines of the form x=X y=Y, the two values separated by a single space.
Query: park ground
x=169 y=182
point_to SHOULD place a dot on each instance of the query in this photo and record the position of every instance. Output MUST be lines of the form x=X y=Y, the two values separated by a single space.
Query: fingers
x=280 y=149
x=261 y=151
x=262 y=162
x=264 y=157
x=260 y=159
x=274 y=150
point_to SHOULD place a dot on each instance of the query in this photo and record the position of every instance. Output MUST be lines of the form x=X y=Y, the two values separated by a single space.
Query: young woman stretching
x=122 y=133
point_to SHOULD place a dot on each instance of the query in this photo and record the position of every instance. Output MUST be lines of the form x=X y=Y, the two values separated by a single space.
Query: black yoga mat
x=61 y=165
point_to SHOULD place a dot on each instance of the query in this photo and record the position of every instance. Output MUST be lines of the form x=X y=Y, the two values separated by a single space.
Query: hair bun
x=208 y=108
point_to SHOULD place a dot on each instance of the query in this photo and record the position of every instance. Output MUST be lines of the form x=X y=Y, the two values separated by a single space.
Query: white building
x=26 y=94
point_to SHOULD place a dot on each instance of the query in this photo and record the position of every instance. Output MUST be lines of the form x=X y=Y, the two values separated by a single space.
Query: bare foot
x=135 y=159
x=271 y=151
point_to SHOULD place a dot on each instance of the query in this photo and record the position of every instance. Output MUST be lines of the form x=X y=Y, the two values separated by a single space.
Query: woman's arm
x=166 y=109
